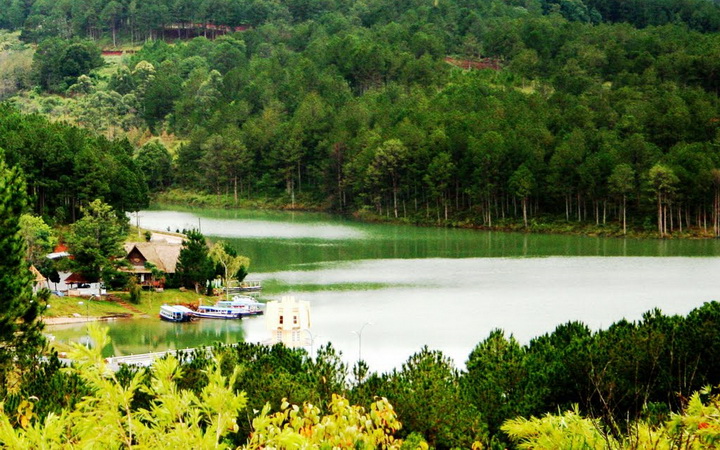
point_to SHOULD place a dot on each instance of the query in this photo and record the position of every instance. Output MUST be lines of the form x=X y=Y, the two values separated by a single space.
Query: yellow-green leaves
x=567 y=431
x=346 y=426
x=106 y=419
x=177 y=418
x=697 y=427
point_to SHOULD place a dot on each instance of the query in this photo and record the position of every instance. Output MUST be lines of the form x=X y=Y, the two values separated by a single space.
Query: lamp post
x=312 y=339
x=359 y=335
x=87 y=310
x=87 y=319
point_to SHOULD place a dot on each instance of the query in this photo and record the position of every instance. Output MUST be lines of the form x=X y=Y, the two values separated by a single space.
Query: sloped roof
x=76 y=278
x=39 y=278
x=163 y=255
x=60 y=251
x=57 y=255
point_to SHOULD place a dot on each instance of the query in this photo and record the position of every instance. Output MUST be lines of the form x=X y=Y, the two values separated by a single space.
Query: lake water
x=443 y=288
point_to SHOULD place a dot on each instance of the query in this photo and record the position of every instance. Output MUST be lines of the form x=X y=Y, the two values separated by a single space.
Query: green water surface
x=444 y=288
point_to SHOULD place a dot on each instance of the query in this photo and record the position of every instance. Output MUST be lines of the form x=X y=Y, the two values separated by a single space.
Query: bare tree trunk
x=716 y=212
x=624 y=217
x=489 y=212
x=679 y=218
x=579 y=218
x=395 y=208
x=660 y=215
x=567 y=208
x=235 y=188
x=597 y=212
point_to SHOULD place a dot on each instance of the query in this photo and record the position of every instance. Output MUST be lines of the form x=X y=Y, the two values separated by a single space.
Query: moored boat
x=176 y=313
x=216 y=312
x=250 y=286
x=245 y=286
x=246 y=306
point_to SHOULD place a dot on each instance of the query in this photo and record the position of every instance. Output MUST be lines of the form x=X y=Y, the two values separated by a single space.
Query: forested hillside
x=67 y=167
x=596 y=112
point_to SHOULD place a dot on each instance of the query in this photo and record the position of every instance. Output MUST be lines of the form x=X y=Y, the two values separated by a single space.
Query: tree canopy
x=96 y=241
x=480 y=113
x=21 y=339
x=68 y=166
x=194 y=267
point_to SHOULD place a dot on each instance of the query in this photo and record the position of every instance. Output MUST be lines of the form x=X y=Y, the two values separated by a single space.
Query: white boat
x=247 y=306
x=176 y=313
x=216 y=312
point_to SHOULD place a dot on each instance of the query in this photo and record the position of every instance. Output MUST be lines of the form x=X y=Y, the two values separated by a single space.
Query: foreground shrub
x=696 y=427
x=183 y=418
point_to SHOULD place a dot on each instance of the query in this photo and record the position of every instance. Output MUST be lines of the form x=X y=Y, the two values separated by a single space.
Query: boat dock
x=144 y=359
x=244 y=287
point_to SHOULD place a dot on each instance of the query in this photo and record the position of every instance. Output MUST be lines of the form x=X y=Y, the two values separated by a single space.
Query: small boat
x=176 y=313
x=250 y=286
x=245 y=286
x=246 y=306
x=216 y=312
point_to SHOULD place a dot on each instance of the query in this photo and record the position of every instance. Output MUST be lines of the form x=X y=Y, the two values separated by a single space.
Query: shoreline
x=73 y=320
x=551 y=227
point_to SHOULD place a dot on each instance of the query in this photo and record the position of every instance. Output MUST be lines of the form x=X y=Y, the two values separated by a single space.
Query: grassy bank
x=149 y=304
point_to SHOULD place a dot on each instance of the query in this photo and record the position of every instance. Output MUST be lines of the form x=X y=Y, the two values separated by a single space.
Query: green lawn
x=67 y=306
x=149 y=304
x=151 y=301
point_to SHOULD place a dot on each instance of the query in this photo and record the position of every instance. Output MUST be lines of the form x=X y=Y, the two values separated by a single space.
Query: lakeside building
x=161 y=255
x=288 y=321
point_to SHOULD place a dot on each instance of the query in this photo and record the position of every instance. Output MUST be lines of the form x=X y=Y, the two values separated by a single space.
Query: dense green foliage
x=152 y=409
x=39 y=238
x=58 y=63
x=696 y=427
x=67 y=167
x=153 y=18
x=351 y=107
x=96 y=242
x=194 y=267
x=630 y=372
x=20 y=332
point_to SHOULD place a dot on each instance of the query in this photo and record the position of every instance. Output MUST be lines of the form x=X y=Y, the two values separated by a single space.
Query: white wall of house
x=64 y=288
x=287 y=321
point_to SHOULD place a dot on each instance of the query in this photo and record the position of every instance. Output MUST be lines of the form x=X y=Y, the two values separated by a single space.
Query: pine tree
x=194 y=265
x=20 y=330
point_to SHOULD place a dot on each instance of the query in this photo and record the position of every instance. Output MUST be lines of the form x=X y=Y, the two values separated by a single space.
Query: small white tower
x=286 y=321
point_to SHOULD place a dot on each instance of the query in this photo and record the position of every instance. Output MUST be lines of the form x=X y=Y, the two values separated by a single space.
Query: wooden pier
x=145 y=359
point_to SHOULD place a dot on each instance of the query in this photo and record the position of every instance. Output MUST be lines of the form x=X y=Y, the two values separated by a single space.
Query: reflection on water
x=133 y=336
x=239 y=224
x=277 y=241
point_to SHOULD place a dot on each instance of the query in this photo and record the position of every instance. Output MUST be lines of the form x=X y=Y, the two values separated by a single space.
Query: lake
x=444 y=288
